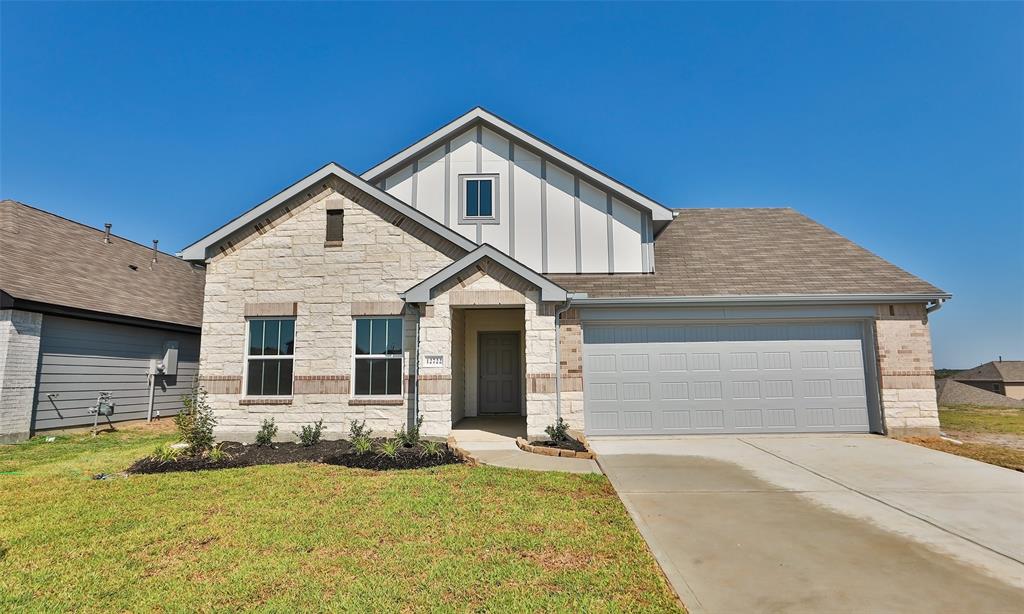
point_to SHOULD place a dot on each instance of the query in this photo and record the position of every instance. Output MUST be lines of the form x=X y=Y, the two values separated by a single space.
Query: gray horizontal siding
x=81 y=358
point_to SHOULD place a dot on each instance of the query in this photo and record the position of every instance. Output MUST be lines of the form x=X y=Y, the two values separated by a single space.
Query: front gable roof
x=480 y=116
x=549 y=290
x=200 y=249
x=994 y=371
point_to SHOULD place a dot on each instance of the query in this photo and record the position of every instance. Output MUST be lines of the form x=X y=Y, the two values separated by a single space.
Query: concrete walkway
x=824 y=523
x=492 y=440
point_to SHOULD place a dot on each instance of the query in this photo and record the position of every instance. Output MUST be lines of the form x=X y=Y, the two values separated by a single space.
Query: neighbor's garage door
x=729 y=378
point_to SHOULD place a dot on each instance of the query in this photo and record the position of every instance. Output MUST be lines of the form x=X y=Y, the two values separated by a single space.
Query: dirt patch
x=554 y=559
x=1006 y=440
x=330 y=452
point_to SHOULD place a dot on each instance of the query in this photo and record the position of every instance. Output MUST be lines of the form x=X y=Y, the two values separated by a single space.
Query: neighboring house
x=1004 y=377
x=952 y=393
x=482 y=271
x=83 y=311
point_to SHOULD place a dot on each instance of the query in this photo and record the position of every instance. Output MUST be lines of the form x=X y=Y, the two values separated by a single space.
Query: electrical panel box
x=170 y=361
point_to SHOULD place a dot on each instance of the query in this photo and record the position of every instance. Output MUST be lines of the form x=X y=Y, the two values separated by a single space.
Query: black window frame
x=259 y=360
x=368 y=364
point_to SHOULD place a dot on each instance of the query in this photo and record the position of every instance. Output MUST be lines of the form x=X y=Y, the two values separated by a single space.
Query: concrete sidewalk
x=492 y=441
x=823 y=523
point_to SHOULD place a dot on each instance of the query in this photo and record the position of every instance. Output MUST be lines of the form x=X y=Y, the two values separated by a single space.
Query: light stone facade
x=19 y=359
x=284 y=268
x=906 y=371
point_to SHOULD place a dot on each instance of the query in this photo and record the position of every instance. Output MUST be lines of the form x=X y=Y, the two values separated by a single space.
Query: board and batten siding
x=80 y=358
x=547 y=217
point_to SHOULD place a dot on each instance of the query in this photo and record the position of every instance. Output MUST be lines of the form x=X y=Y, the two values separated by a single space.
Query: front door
x=498 y=373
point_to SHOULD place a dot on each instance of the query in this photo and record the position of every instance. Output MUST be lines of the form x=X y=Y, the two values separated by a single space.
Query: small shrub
x=431 y=448
x=310 y=434
x=217 y=454
x=357 y=429
x=389 y=448
x=195 y=421
x=166 y=454
x=268 y=430
x=559 y=431
x=409 y=437
x=362 y=444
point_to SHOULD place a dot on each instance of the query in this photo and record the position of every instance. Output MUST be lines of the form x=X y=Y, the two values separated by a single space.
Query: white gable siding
x=547 y=217
x=593 y=229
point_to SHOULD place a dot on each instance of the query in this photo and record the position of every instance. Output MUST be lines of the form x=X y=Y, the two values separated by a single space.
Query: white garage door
x=730 y=378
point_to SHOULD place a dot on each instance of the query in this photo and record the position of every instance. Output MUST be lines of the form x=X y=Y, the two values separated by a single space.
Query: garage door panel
x=724 y=378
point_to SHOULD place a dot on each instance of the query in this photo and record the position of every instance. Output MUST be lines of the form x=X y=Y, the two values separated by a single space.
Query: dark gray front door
x=498 y=373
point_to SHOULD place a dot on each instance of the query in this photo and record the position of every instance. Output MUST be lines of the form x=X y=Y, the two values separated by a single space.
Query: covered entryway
x=678 y=378
x=488 y=362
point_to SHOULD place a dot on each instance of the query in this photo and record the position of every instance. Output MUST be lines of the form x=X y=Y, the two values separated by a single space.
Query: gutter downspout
x=558 y=356
x=937 y=305
x=152 y=393
x=416 y=369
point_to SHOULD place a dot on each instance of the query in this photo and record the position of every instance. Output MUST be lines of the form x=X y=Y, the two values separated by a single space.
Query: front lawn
x=303 y=537
x=982 y=420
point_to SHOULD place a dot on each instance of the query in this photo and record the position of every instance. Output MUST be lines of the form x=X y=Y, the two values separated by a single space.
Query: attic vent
x=106 y=232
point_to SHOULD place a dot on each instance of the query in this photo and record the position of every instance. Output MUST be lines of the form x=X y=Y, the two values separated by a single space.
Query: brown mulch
x=328 y=452
x=562 y=444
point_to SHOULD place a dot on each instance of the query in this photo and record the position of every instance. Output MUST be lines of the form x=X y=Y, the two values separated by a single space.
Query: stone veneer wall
x=286 y=265
x=906 y=371
x=570 y=334
x=19 y=360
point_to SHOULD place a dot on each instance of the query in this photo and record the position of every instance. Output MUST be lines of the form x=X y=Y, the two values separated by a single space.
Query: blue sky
x=900 y=126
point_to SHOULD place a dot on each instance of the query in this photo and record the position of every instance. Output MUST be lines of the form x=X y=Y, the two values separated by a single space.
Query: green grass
x=980 y=420
x=310 y=537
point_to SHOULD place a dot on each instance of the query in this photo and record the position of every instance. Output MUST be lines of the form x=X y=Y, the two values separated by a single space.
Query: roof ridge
x=86 y=226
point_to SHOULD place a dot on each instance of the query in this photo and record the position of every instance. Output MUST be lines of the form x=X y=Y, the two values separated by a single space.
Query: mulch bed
x=329 y=452
x=564 y=444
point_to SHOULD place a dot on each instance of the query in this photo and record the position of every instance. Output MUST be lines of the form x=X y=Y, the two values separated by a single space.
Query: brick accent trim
x=258 y=310
x=486 y=297
x=377 y=308
x=540 y=382
x=221 y=384
x=435 y=384
x=383 y=402
x=283 y=401
x=321 y=384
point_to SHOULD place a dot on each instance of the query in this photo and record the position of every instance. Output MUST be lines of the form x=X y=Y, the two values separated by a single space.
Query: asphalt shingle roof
x=995 y=371
x=49 y=259
x=736 y=252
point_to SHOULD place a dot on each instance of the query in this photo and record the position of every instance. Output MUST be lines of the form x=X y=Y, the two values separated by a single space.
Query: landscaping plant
x=217 y=454
x=559 y=431
x=268 y=430
x=431 y=448
x=357 y=429
x=310 y=434
x=195 y=421
x=389 y=448
x=166 y=454
x=410 y=436
x=362 y=444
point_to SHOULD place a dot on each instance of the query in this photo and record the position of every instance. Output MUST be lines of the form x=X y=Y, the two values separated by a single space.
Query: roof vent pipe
x=106 y=232
x=155 y=241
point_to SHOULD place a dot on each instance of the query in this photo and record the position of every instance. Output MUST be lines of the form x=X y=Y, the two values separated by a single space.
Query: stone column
x=906 y=371
x=435 y=394
x=540 y=366
x=20 y=333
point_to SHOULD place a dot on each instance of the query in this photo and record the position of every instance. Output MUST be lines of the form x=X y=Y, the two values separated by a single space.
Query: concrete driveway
x=823 y=523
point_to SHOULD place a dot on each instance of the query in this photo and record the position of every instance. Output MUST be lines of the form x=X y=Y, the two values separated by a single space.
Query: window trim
x=494 y=218
x=355 y=357
x=247 y=357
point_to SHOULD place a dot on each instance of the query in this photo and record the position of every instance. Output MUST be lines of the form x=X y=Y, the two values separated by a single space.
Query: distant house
x=1004 y=377
x=83 y=311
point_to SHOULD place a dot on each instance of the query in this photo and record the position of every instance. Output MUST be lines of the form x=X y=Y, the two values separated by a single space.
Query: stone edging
x=546 y=451
x=468 y=458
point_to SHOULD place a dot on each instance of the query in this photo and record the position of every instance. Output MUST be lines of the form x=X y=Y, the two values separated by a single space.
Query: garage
x=760 y=377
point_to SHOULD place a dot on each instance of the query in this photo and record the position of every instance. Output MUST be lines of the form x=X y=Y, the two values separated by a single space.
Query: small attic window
x=479 y=199
x=335 y=225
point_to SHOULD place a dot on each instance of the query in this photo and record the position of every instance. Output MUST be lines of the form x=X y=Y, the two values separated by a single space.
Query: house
x=1005 y=377
x=952 y=393
x=83 y=311
x=483 y=271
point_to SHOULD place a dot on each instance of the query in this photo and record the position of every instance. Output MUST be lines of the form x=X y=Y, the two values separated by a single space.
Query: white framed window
x=478 y=199
x=269 y=357
x=377 y=357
